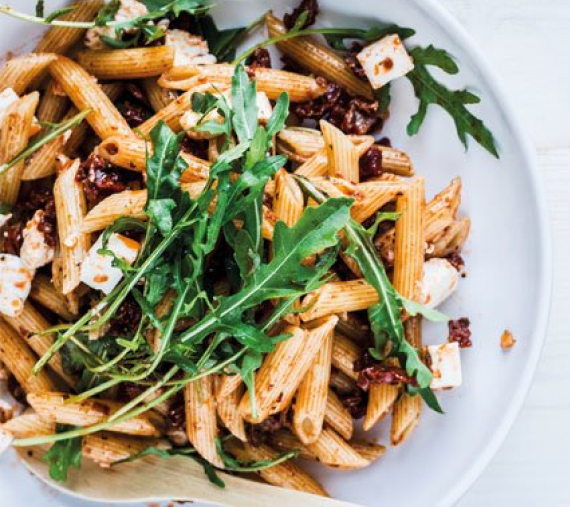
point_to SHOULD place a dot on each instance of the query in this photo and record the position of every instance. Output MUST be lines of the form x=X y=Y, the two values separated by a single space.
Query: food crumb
x=507 y=340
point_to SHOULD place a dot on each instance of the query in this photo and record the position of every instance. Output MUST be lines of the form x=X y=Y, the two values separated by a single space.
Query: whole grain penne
x=61 y=39
x=228 y=411
x=373 y=196
x=20 y=361
x=157 y=96
x=286 y=475
x=288 y=203
x=18 y=73
x=381 y=399
x=315 y=166
x=285 y=441
x=70 y=208
x=367 y=449
x=332 y=450
x=44 y=293
x=42 y=163
x=337 y=417
x=14 y=138
x=345 y=353
x=132 y=63
x=283 y=370
x=337 y=297
x=53 y=104
x=451 y=239
x=129 y=203
x=395 y=161
x=227 y=385
x=85 y=93
x=106 y=448
x=342 y=155
x=131 y=153
x=201 y=423
x=299 y=143
x=311 y=403
x=30 y=323
x=318 y=59
x=341 y=382
x=57 y=407
x=28 y=425
x=272 y=82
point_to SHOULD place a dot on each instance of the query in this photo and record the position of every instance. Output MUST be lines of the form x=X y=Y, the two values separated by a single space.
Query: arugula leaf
x=244 y=105
x=222 y=43
x=63 y=455
x=429 y=91
x=280 y=114
x=414 y=309
x=428 y=396
x=59 y=13
x=50 y=136
x=236 y=466
x=188 y=452
x=108 y=13
x=367 y=36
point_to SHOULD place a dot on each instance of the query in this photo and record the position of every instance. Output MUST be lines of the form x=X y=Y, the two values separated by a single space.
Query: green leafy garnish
x=367 y=36
x=235 y=465
x=429 y=91
x=63 y=455
x=414 y=309
x=50 y=136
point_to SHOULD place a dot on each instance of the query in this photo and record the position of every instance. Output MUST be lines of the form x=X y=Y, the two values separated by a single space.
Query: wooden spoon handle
x=178 y=478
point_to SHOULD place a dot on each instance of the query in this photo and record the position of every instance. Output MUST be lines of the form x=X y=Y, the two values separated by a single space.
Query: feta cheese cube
x=188 y=49
x=439 y=281
x=385 y=61
x=129 y=9
x=15 y=284
x=35 y=252
x=98 y=272
x=445 y=365
x=7 y=98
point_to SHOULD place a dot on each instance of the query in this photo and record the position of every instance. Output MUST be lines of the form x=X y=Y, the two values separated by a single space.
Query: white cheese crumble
x=188 y=49
x=98 y=272
x=15 y=284
x=8 y=97
x=385 y=61
x=439 y=281
x=445 y=365
x=35 y=252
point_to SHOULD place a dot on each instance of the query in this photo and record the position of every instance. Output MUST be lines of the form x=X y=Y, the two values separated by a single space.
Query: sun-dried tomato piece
x=459 y=332
x=353 y=62
x=260 y=59
x=100 y=179
x=309 y=6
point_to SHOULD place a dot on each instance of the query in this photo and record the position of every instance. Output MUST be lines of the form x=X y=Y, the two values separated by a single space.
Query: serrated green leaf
x=64 y=455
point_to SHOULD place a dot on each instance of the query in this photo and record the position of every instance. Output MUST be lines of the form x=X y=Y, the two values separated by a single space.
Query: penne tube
x=45 y=294
x=20 y=360
x=227 y=385
x=451 y=240
x=345 y=353
x=85 y=93
x=228 y=411
x=299 y=143
x=29 y=324
x=61 y=39
x=283 y=370
x=338 y=297
x=158 y=96
x=341 y=382
x=288 y=203
x=285 y=441
x=285 y=475
x=395 y=161
x=370 y=451
x=57 y=407
x=272 y=82
x=132 y=63
x=19 y=73
x=14 y=138
x=337 y=417
x=53 y=103
x=28 y=425
x=311 y=403
x=201 y=423
x=381 y=399
x=315 y=166
x=70 y=208
x=373 y=196
x=106 y=448
x=42 y=163
x=342 y=155
x=332 y=450
x=129 y=203
x=318 y=59
x=131 y=153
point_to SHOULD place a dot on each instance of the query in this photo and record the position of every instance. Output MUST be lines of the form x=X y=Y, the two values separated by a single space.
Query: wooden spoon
x=153 y=479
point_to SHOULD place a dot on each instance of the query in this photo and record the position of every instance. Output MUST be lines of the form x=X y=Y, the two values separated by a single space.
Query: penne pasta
x=342 y=155
x=337 y=417
x=53 y=104
x=57 y=407
x=374 y=196
x=283 y=370
x=341 y=382
x=228 y=411
x=61 y=39
x=106 y=448
x=44 y=293
x=299 y=143
x=288 y=202
x=332 y=450
x=318 y=59
x=286 y=475
x=201 y=423
x=381 y=399
x=28 y=425
x=20 y=360
x=272 y=82
x=70 y=209
x=85 y=93
x=158 y=96
x=345 y=353
x=227 y=385
x=311 y=404
x=133 y=63
x=451 y=240
x=14 y=138
x=19 y=73
x=370 y=451
x=129 y=203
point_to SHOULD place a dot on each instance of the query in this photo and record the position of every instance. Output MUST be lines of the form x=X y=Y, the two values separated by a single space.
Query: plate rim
x=459 y=34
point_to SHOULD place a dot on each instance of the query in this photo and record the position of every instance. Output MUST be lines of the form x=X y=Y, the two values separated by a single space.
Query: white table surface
x=528 y=44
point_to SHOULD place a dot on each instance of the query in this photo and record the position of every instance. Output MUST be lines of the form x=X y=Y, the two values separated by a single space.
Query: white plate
x=508 y=263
